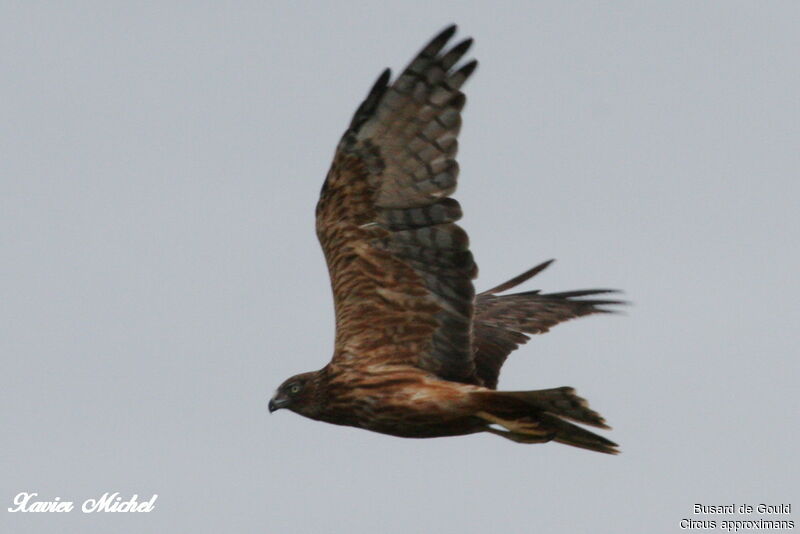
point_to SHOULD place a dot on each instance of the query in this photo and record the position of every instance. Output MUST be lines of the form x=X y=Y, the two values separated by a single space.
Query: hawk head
x=297 y=393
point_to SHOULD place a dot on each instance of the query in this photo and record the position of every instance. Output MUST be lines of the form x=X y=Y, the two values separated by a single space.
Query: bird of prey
x=417 y=353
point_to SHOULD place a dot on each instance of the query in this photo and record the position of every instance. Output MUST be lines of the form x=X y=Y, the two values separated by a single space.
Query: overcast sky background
x=160 y=276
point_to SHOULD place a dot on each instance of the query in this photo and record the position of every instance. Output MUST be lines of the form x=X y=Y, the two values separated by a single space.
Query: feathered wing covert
x=417 y=353
x=400 y=267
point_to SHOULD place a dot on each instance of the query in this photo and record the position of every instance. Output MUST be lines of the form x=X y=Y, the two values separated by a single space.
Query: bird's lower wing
x=502 y=321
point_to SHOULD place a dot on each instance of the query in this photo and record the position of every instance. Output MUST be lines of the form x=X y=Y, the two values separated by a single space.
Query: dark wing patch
x=502 y=321
x=400 y=267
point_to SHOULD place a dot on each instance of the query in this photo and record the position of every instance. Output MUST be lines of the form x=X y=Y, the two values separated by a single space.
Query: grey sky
x=159 y=166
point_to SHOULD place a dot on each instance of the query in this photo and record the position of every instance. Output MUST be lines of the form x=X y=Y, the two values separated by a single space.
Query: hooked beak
x=276 y=403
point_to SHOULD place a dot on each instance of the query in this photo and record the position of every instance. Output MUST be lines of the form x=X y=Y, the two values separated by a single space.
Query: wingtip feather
x=517 y=280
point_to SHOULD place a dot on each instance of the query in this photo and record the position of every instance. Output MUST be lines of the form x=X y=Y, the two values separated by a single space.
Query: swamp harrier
x=417 y=352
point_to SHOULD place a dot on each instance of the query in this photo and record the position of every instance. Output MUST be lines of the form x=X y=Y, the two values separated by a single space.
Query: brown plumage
x=417 y=353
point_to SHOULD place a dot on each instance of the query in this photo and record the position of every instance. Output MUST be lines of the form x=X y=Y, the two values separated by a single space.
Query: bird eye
x=295 y=388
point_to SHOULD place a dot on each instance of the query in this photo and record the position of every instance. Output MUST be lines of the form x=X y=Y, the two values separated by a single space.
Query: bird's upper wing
x=401 y=270
x=502 y=321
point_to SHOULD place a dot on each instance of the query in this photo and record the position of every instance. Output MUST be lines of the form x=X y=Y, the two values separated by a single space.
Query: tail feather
x=563 y=402
x=540 y=416
x=576 y=436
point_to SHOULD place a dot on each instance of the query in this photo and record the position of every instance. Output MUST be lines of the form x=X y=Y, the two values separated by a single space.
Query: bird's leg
x=517 y=426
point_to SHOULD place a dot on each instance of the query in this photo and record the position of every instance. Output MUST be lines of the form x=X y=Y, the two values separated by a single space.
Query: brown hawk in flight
x=417 y=353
